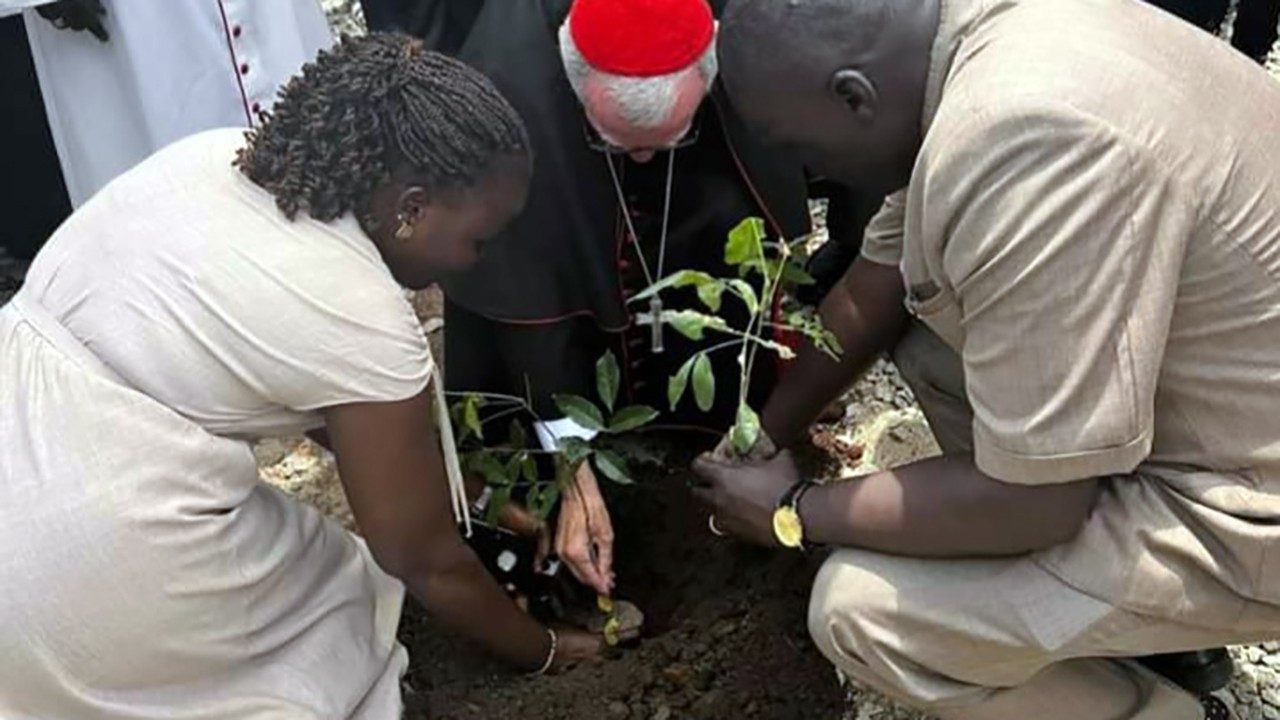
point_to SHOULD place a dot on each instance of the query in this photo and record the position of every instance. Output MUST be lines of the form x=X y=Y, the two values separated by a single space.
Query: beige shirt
x=1093 y=223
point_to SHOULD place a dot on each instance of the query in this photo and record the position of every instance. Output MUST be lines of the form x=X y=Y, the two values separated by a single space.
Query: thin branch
x=499 y=415
x=464 y=394
x=756 y=327
x=722 y=346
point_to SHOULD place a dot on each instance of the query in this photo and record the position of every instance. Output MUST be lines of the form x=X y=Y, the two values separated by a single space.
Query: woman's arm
x=391 y=467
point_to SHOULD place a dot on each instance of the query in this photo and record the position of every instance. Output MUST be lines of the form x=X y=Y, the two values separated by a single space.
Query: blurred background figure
x=1253 y=30
x=98 y=85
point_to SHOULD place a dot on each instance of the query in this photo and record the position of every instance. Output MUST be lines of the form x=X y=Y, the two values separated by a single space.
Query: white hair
x=645 y=102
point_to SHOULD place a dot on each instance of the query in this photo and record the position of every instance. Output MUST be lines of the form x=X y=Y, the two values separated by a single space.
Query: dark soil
x=725 y=635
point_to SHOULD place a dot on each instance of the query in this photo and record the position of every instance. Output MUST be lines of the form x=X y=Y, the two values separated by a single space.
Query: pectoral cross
x=655 y=330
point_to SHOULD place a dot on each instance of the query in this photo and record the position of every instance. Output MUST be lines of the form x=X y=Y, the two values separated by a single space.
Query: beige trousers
x=988 y=639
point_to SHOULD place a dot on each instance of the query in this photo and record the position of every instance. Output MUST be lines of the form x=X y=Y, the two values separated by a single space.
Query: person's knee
x=856 y=619
x=845 y=608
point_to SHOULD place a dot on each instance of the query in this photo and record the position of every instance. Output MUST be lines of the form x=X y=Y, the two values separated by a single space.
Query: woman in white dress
x=228 y=288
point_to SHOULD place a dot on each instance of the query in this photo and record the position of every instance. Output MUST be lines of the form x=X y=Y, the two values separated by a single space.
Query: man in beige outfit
x=1087 y=233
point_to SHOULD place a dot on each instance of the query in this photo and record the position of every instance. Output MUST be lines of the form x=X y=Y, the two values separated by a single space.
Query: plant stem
x=512 y=451
x=756 y=327
x=487 y=396
x=723 y=345
x=501 y=414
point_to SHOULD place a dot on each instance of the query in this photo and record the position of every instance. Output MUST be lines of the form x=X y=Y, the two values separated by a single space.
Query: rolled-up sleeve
x=882 y=242
x=1063 y=245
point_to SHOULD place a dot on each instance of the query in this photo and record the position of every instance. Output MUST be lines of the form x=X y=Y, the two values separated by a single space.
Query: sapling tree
x=510 y=465
x=777 y=266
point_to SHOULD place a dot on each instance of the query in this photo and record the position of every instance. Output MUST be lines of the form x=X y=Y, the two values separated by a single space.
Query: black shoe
x=1200 y=671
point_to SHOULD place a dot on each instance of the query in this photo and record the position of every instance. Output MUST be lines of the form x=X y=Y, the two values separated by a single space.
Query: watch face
x=787 y=527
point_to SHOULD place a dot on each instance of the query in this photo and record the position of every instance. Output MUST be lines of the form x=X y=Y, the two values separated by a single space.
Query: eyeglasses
x=599 y=144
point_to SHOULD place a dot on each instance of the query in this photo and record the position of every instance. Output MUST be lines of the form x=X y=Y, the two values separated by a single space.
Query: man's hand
x=76 y=15
x=584 y=538
x=764 y=449
x=743 y=495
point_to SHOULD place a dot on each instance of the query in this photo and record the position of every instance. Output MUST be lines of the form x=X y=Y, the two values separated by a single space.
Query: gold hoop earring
x=405 y=231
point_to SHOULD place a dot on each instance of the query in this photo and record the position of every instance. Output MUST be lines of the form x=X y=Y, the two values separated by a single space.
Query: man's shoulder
x=1117 y=62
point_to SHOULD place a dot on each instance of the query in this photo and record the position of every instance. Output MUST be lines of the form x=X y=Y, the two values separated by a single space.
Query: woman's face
x=448 y=229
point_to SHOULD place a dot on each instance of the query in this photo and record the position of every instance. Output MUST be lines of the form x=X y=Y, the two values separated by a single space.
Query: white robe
x=170 y=68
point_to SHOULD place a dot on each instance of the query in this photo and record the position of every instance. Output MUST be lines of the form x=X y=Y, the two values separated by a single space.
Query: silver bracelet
x=551 y=655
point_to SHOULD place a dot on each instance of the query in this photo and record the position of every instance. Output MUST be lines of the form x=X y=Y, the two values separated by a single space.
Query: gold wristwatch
x=788 y=528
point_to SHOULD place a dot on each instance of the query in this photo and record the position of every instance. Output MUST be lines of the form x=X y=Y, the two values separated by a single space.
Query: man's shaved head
x=840 y=82
x=802 y=29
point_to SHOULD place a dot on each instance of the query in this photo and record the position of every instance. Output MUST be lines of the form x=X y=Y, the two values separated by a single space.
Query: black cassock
x=549 y=297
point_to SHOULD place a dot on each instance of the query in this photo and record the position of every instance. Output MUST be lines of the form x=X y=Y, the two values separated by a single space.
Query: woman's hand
x=584 y=537
x=574 y=646
x=389 y=459
x=742 y=496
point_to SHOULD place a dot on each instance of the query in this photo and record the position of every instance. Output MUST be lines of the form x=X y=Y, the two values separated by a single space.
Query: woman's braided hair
x=367 y=106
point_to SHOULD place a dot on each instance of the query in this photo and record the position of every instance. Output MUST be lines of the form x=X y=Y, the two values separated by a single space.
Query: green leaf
x=772 y=267
x=704 y=382
x=607 y=375
x=511 y=471
x=743 y=289
x=709 y=294
x=636 y=449
x=459 y=430
x=529 y=468
x=631 y=417
x=489 y=467
x=580 y=410
x=516 y=434
x=678 y=382
x=793 y=274
x=809 y=323
x=498 y=500
x=682 y=278
x=613 y=467
x=746 y=430
x=542 y=500
x=746 y=242
x=828 y=343
x=465 y=417
x=693 y=324
x=574 y=450
x=784 y=352
x=471 y=416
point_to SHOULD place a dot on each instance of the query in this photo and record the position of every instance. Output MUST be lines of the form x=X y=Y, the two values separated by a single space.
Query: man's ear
x=855 y=89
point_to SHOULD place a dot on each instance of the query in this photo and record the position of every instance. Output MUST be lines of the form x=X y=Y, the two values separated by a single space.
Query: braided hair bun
x=371 y=105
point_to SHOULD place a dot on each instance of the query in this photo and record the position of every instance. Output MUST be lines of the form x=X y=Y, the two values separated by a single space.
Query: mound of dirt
x=725 y=635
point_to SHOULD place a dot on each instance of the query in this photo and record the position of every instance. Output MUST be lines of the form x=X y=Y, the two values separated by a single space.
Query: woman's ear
x=411 y=205
x=855 y=89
